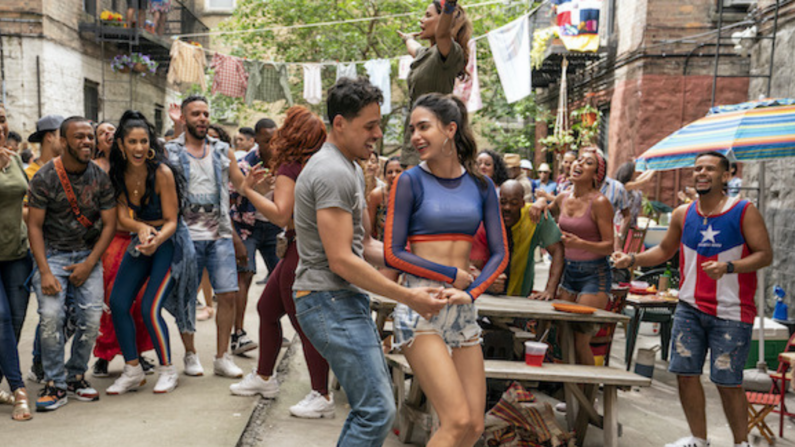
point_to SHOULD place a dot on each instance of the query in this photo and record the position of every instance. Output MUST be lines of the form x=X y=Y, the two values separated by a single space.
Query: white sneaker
x=314 y=406
x=167 y=379
x=225 y=367
x=192 y=365
x=131 y=379
x=254 y=384
x=690 y=441
x=560 y=407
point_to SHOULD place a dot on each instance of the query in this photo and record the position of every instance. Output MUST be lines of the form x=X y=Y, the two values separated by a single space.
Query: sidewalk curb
x=255 y=428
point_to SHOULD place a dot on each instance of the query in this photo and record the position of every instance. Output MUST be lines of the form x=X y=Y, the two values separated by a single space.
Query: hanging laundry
x=510 y=47
x=230 y=78
x=268 y=82
x=379 y=71
x=404 y=66
x=313 y=91
x=346 y=71
x=187 y=65
x=469 y=90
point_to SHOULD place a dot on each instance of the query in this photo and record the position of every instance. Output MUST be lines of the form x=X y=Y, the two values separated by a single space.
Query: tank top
x=721 y=239
x=151 y=210
x=585 y=228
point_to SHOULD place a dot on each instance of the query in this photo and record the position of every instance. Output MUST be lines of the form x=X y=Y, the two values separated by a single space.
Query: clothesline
x=318 y=24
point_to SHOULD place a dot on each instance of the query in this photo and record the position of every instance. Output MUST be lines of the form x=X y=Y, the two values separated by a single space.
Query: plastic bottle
x=781 y=311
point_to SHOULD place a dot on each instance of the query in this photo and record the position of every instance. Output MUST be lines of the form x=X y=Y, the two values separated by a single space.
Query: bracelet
x=631 y=260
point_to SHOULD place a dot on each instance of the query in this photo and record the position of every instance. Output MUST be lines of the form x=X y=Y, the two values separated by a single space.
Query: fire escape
x=113 y=40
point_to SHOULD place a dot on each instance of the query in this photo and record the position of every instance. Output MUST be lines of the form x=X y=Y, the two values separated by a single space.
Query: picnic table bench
x=411 y=414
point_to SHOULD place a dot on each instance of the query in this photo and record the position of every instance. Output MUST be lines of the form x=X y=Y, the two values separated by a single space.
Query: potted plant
x=558 y=143
x=143 y=64
x=586 y=124
x=121 y=63
x=111 y=18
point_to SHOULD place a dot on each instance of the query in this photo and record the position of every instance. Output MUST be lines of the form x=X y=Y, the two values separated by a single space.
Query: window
x=91 y=100
x=219 y=5
x=159 y=119
x=604 y=129
x=90 y=7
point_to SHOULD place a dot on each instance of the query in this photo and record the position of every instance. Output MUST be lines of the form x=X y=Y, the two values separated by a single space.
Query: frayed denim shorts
x=456 y=324
x=587 y=277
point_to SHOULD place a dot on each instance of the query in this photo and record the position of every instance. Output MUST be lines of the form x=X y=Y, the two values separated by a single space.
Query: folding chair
x=759 y=406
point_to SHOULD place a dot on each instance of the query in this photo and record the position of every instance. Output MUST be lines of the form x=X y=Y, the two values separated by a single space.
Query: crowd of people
x=433 y=229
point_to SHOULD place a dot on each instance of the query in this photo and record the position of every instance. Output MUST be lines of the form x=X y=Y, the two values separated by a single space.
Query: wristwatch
x=729 y=267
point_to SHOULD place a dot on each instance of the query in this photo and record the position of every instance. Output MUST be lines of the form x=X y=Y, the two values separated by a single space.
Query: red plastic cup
x=534 y=353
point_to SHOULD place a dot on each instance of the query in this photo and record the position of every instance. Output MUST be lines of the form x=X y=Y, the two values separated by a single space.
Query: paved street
x=202 y=412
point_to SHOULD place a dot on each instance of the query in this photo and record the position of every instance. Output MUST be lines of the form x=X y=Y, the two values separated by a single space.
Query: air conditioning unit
x=738 y=3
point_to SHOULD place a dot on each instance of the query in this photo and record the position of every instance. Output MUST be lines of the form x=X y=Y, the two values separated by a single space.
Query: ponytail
x=449 y=109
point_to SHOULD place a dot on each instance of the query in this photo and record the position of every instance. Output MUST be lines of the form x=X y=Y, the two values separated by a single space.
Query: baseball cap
x=47 y=123
x=525 y=164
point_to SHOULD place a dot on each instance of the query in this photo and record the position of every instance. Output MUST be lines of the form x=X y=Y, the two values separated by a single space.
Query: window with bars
x=604 y=129
x=159 y=119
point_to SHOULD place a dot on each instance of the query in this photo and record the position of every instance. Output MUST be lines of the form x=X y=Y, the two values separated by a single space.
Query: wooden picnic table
x=510 y=307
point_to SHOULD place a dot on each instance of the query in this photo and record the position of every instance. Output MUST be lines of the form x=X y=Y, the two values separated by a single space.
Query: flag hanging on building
x=578 y=23
x=510 y=47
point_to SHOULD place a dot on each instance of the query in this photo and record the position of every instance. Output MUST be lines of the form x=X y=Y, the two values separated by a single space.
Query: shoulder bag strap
x=70 y=194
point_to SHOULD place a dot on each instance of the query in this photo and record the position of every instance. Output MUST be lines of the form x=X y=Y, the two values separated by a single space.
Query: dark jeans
x=262 y=239
x=13 y=306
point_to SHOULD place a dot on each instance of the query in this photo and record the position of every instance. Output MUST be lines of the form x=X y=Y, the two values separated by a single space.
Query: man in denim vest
x=208 y=165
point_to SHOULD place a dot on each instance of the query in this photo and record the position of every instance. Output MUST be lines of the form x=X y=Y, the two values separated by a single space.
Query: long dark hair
x=461 y=30
x=500 y=171
x=449 y=109
x=133 y=119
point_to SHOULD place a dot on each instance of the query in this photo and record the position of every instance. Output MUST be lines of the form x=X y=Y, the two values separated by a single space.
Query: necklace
x=707 y=215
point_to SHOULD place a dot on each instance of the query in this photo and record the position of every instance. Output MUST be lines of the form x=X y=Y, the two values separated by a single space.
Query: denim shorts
x=728 y=341
x=218 y=257
x=587 y=277
x=456 y=323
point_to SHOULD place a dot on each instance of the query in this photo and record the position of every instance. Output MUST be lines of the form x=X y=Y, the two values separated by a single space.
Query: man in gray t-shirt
x=333 y=244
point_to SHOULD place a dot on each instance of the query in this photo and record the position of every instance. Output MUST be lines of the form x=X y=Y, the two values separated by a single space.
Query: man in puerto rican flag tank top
x=722 y=243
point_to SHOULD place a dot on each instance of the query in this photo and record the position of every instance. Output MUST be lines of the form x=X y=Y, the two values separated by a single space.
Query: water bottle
x=781 y=311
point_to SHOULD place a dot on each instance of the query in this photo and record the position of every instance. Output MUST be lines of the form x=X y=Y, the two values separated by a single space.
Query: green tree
x=363 y=40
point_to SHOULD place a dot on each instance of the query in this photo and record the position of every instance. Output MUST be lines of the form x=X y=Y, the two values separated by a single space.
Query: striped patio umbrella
x=756 y=130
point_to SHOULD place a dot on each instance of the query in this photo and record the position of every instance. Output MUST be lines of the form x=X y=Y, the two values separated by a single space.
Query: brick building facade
x=654 y=78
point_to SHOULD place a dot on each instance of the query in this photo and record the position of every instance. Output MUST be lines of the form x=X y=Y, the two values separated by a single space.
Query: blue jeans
x=218 y=257
x=262 y=239
x=88 y=300
x=339 y=325
x=14 y=297
x=728 y=342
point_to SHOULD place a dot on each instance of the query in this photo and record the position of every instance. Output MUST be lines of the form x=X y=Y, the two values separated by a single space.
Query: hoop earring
x=151 y=154
x=451 y=148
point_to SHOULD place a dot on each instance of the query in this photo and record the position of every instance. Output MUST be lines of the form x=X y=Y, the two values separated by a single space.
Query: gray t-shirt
x=329 y=180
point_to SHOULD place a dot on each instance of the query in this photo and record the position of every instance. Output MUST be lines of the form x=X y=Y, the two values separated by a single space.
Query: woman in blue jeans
x=148 y=199
x=585 y=219
x=15 y=267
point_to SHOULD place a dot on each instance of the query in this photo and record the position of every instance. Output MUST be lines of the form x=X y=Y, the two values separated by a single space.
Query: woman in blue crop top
x=436 y=208
x=148 y=199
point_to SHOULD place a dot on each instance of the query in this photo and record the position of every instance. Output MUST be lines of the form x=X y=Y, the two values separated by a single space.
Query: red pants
x=276 y=300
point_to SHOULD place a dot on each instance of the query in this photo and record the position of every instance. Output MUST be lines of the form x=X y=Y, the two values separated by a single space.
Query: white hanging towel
x=404 y=66
x=469 y=91
x=510 y=47
x=346 y=71
x=379 y=71
x=313 y=91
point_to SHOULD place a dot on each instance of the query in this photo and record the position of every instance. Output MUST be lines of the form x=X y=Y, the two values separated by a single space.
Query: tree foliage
x=368 y=39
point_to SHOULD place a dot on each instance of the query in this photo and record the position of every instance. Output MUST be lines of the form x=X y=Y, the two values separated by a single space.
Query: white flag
x=510 y=47
x=469 y=91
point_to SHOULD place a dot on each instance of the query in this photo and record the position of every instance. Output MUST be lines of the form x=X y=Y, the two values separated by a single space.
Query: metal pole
x=762 y=365
x=717 y=52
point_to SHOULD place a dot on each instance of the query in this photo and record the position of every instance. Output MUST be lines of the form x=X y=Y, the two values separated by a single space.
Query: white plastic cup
x=534 y=353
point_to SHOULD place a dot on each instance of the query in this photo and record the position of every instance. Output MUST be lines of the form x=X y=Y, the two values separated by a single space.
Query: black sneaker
x=148 y=367
x=51 y=398
x=82 y=390
x=100 y=368
x=36 y=373
x=244 y=344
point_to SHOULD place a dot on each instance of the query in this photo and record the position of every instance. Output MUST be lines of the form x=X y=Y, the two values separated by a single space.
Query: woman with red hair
x=585 y=218
x=301 y=135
